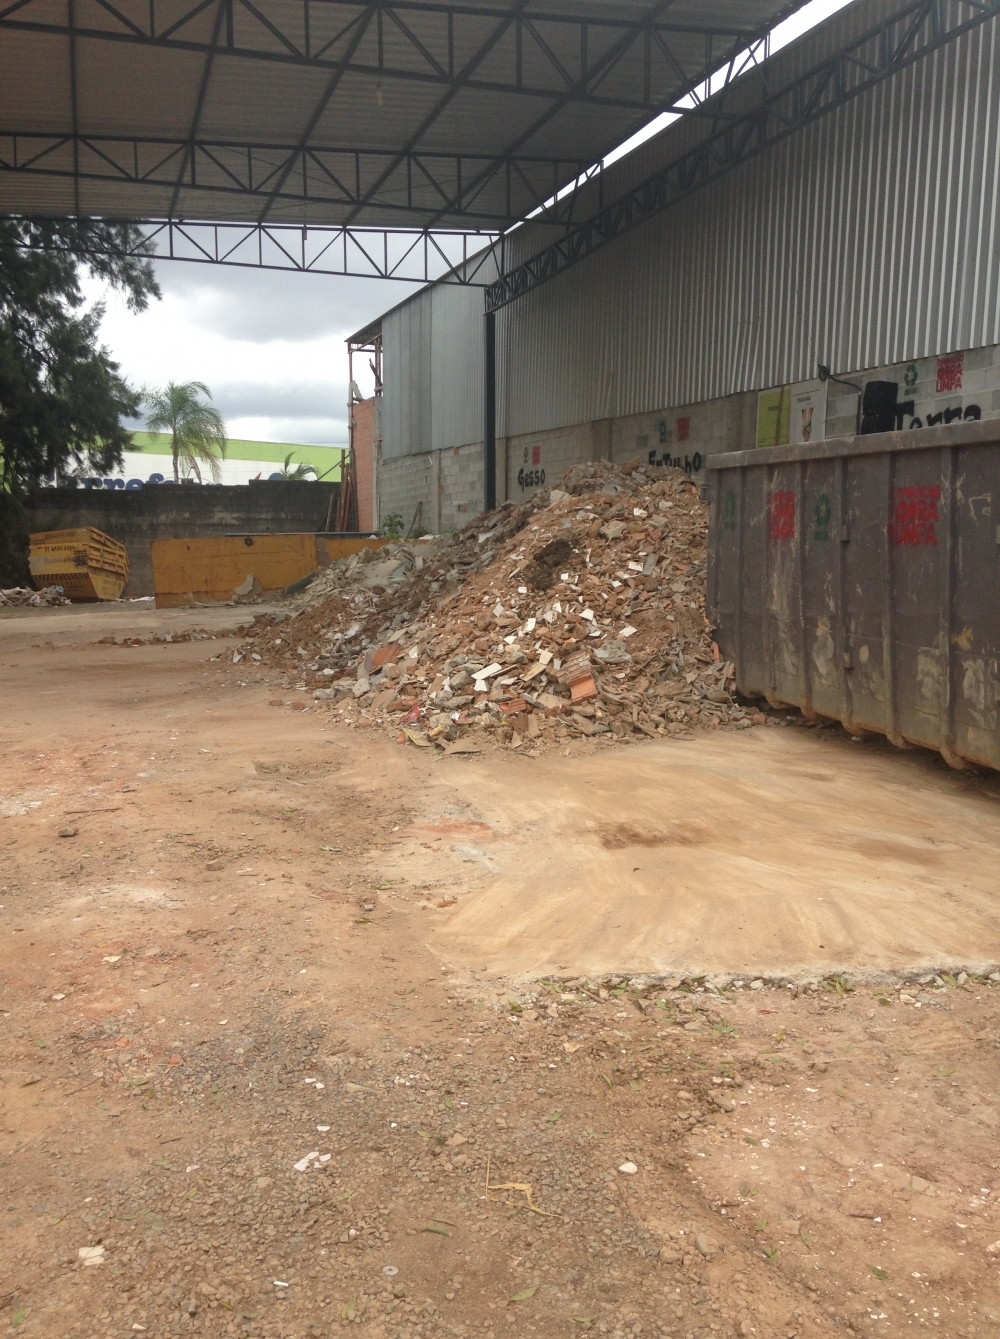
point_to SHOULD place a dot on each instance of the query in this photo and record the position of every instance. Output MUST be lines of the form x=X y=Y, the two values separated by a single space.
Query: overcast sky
x=270 y=346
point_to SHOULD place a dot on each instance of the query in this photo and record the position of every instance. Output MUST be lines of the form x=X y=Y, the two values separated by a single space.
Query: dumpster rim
x=977 y=432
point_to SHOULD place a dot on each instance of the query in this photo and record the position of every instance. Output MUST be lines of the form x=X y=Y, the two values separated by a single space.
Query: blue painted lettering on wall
x=113 y=484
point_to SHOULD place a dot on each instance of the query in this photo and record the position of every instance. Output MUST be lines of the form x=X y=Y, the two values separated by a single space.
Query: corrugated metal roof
x=427 y=112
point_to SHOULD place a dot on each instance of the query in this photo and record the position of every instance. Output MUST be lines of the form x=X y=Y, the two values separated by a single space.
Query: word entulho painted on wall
x=792 y=415
x=690 y=462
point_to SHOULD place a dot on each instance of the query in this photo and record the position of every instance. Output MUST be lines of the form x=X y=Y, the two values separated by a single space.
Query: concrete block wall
x=450 y=482
x=956 y=386
x=537 y=459
x=404 y=483
x=460 y=484
x=968 y=381
x=683 y=437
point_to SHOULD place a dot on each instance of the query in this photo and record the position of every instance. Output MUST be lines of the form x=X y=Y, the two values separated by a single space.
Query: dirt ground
x=302 y=1030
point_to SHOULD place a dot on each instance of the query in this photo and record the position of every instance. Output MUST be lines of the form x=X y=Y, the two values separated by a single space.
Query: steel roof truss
x=305 y=175
x=297 y=48
x=898 y=41
x=331 y=87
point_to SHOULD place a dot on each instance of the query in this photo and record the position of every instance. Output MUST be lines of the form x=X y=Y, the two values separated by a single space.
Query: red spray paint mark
x=949 y=373
x=915 y=514
x=782 y=514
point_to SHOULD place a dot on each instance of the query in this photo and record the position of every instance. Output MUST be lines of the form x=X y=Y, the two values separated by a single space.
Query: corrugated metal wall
x=869 y=238
x=432 y=371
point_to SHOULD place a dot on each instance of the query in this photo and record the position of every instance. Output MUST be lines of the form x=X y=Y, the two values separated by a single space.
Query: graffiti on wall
x=914 y=517
x=949 y=372
x=689 y=464
x=681 y=432
x=532 y=473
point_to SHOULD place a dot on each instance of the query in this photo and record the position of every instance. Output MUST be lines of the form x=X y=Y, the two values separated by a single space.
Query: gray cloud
x=309 y=412
x=265 y=305
x=307 y=428
x=248 y=399
x=305 y=431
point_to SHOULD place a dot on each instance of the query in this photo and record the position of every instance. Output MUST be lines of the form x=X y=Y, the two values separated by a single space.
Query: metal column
x=490 y=412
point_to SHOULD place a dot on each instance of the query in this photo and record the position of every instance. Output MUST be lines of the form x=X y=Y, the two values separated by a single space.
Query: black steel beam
x=333 y=176
x=890 y=46
x=412 y=255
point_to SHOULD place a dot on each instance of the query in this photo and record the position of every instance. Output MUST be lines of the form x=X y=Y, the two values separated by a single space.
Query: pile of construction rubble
x=24 y=596
x=579 y=613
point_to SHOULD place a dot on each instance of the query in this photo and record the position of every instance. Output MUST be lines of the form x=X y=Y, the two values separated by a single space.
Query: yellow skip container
x=88 y=564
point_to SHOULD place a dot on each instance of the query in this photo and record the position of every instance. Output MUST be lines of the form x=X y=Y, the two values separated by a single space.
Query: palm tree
x=196 y=430
x=301 y=470
x=298 y=471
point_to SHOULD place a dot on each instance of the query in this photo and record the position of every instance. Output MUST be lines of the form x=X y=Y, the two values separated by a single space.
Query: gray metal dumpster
x=859 y=579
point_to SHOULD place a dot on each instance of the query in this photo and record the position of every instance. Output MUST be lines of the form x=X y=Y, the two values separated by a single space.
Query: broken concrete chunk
x=612 y=653
x=248 y=591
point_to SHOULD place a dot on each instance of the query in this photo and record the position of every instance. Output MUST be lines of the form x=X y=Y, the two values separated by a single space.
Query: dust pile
x=580 y=613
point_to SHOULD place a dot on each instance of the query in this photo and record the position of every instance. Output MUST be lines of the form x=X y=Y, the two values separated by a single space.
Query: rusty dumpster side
x=859 y=579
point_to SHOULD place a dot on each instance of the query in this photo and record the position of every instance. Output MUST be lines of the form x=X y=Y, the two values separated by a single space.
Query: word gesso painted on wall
x=531 y=474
